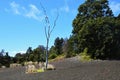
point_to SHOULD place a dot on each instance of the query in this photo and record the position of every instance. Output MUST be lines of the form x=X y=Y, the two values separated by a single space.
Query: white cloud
x=65 y=8
x=31 y=12
x=34 y=13
x=18 y=52
x=15 y=7
x=115 y=6
x=13 y=53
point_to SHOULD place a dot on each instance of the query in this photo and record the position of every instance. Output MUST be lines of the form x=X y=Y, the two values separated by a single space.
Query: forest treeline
x=96 y=30
x=37 y=54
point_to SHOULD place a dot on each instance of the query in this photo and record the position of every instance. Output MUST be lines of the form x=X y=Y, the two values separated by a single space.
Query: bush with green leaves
x=84 y=55
x=52 y=55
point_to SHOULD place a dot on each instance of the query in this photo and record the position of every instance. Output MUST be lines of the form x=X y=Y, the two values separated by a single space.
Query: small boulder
x=49 y=67
x=15 y=65
x=3 y=67
x=31 y=69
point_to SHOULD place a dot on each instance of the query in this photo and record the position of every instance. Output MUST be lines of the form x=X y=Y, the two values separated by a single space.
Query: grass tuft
x=57 y=58
x=40 y=70
x=84 y=56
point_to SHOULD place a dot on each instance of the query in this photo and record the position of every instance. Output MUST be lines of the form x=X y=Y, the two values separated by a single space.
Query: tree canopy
x=96 y=29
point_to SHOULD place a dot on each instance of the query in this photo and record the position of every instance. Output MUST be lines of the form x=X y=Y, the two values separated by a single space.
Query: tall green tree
x=70 y=47
x=93 y=28
x=5 y=59
x=58 y=45
x=20 y=58
x=28 y=52
x=38 y=54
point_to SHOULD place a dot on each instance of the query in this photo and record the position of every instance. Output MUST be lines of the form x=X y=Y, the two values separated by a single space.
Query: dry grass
x=60 y=57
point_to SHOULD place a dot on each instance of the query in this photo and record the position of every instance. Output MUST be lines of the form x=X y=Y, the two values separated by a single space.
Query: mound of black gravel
x=68 y=69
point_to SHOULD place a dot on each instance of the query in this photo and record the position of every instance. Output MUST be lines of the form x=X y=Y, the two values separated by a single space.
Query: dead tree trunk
x=48 y=31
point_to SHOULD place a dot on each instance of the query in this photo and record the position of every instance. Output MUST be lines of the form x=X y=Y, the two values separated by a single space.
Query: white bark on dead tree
x=48 y=31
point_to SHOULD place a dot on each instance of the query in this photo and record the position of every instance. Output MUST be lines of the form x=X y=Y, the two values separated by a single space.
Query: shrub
x=52 y=56
x=68 y=55
x=84 y=56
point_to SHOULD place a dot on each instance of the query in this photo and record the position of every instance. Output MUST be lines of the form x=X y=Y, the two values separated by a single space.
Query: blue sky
x=22 y=22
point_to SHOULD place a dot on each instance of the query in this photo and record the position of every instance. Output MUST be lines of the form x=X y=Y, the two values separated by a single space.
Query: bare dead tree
x=48 y=30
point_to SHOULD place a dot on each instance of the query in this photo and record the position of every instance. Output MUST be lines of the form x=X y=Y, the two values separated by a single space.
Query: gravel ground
x=68 y=69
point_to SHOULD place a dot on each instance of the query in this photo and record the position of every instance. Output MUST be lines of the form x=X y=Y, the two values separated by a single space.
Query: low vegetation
x=84 y=56
x=60 y=57
x=40 y=70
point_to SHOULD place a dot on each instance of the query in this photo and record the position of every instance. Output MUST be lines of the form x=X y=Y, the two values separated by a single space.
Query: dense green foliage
x=96 y=29
x=70 y=48
x=35 y=55
x=57 y=49
x=38 y=54
x=5 y=59
x=52 y=53
x=58 y=45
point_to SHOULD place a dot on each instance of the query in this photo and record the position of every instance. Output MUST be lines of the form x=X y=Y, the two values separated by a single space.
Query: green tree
x=1 y=57
x=58 y=45
x=52 y=53
x=20 y=58
x=39 y=53
x=93 y=28
x=7 y=60
x=28 y=52
x=71 y=49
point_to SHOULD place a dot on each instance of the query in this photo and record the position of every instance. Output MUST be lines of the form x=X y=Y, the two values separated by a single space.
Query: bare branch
x=47 y=27
x=43 y=9
x=55 y=22
x=46 y=32
x=49 y=31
